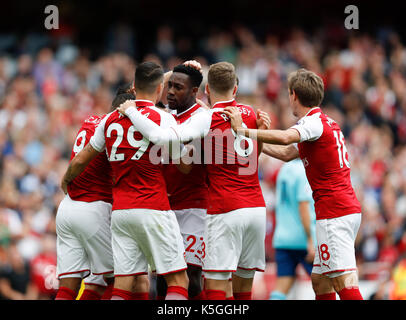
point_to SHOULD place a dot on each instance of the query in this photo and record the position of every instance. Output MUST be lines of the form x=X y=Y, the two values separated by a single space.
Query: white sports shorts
x=235 y=242
x=335 y=245
x=95 y=280
x=191 y=223
x=83 y=238
x=144 y=236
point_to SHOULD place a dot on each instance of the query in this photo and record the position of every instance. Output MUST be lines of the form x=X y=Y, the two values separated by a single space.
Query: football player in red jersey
x=320 y=144
x=83 y=222
x=235 y=221
x=187 y=191
x=144 y=229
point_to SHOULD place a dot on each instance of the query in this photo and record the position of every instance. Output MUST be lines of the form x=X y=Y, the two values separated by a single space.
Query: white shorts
x=83 y=238
x=335 y=245
x=235 y=242
x=191 y=223
x=144 y=236
x=95 y=280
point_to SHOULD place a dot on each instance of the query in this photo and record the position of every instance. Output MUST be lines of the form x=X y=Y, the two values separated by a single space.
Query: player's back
x=232 y=163
x=291 y=189
x=95 y=182
x=328 y=169
x=138 y=183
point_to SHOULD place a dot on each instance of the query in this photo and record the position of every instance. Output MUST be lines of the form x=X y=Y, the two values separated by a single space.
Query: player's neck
x=302 y=111
x=182 y=109
x=145 y=96
x=220 y=98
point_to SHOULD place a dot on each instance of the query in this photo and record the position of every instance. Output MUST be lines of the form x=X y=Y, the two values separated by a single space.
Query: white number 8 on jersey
x=237 y=144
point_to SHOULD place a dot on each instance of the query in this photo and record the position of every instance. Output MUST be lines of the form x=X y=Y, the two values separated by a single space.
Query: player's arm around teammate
x=321 y=146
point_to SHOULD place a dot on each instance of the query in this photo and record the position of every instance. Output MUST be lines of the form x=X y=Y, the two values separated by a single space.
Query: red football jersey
x=43 y=273
x=325 y=158
x=138 y=183
x=186 y=191
x=95 y=182
x=231 y=186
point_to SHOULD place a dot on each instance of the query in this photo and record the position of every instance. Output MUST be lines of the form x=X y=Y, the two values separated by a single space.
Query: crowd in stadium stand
x=46 y=93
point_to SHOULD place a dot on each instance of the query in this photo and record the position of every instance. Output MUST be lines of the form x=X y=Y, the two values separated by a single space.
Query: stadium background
x=50 y=80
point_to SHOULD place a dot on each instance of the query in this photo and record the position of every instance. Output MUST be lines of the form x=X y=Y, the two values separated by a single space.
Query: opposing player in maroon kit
x=144 y=229
x=319 y=142
x=235 y=221
x=83 y=222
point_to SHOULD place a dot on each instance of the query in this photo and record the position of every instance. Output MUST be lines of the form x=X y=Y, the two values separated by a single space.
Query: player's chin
x=172 y=104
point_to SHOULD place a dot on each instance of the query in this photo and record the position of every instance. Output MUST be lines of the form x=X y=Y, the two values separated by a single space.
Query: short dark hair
x=121 y=98
x=148 y=76
x=125 y=88
x=195 y=75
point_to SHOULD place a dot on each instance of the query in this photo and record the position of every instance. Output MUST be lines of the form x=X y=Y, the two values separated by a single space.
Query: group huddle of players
x=198 y=225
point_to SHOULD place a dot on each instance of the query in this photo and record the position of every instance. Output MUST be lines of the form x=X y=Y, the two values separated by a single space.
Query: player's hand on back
x=125 y=105
x=263 y=120
x=235 y=116
x=194 y=64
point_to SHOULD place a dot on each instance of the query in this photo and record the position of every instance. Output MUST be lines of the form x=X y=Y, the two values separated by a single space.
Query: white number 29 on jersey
x=142 y=144
x=341 y=149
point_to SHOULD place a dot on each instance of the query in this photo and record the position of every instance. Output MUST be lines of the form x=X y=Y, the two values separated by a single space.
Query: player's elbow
x=78 y=162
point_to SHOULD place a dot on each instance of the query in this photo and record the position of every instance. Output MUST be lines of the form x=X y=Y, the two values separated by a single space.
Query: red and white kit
x=235 y=224
x=83 y=217
x=188 y=195
x=338 y=212
x=144 y=229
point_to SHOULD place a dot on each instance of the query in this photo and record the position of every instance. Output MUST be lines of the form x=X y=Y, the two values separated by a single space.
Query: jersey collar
x=313 y=111
x=223 y=104
x=187 y=111
x=144 y=103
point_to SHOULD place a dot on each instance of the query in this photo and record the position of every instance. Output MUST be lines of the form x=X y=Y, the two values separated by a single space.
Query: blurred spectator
x=47 y=91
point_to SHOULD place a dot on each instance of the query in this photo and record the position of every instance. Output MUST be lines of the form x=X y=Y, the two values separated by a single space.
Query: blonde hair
x=308 y=87
x=222 y=77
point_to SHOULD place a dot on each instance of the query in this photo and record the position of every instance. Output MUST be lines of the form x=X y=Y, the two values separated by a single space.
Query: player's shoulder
x=93 y=120
x=110 y=117
x=199 y=109
x=159 y=116
x=246 y=110
x=313 y=118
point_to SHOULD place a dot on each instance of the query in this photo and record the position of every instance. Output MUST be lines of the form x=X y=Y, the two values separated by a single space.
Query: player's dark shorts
x=288 y=259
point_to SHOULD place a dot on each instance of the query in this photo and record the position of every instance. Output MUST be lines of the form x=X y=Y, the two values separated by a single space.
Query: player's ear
x=235 y=90
x=294 y=96
x=206 y=89
x=195 y=90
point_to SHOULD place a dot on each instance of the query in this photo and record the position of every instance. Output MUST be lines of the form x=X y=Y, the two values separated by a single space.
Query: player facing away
x=320 y=144
x=83 y=223
x=294 y=237
x=187 y=191
x=235 y=222
x=144 y=229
